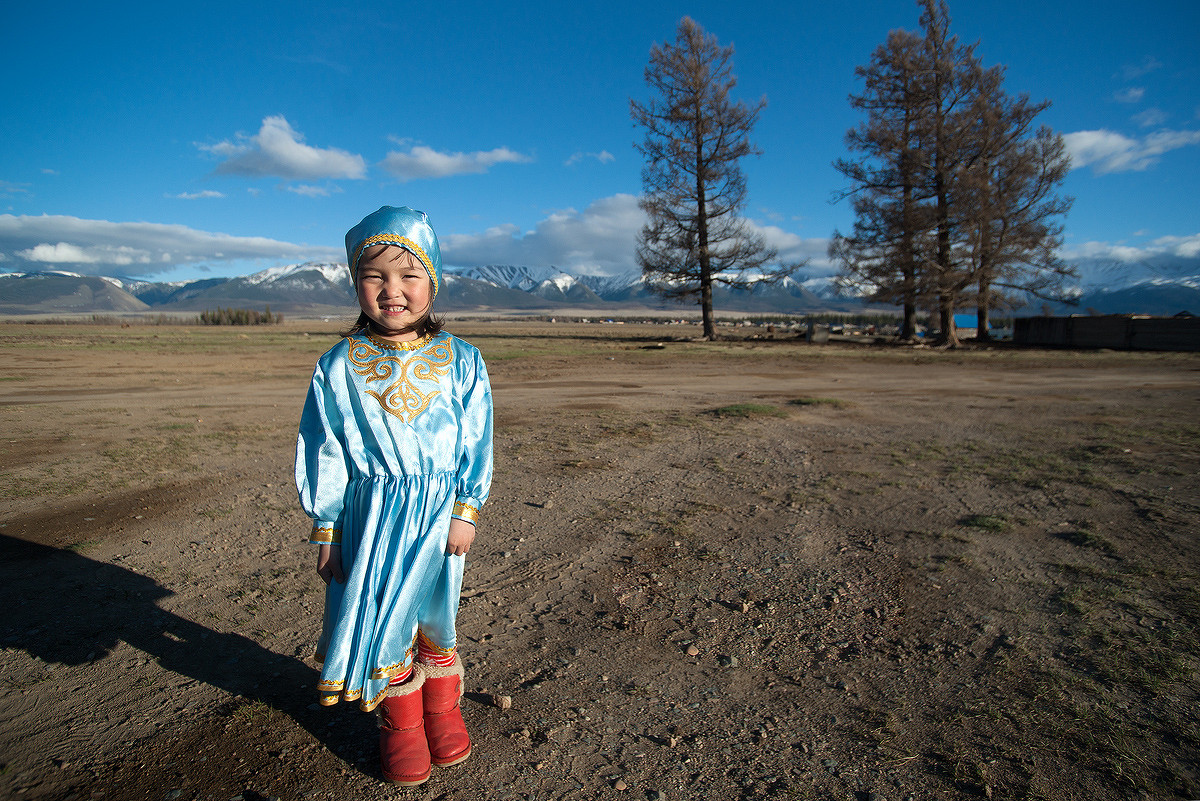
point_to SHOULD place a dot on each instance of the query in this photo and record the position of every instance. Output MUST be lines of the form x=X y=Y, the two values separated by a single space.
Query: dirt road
x=753 y=569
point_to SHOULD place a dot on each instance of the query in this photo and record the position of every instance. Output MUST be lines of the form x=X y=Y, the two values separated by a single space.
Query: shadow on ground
x=65 y=608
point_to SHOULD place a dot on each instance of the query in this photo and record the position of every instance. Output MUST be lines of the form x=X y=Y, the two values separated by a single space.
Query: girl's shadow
x=63 y=607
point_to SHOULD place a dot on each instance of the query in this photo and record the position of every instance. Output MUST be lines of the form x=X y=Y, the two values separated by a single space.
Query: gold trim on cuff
x=325 y=535
x=465 y=511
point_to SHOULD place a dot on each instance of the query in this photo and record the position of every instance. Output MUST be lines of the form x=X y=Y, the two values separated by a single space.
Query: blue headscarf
x=397 y=225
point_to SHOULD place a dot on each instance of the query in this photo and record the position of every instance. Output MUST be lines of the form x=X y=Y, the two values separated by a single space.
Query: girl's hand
x=462 y=534
x=329 y=563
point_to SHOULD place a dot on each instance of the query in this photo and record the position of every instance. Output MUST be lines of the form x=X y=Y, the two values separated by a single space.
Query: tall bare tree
x=951 y=190
x=1009 y=192
x=955 y=76
x=693 y=188
x=885 y=258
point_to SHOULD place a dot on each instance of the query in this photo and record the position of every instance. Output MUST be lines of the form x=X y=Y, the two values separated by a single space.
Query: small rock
x=548 y=505
x=692 y=650
x=502 y=701
x=745 y=607
x=620 y=785
x=727 y=661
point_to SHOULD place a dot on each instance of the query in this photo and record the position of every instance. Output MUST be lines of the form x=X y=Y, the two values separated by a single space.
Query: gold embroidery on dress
x=403 y=397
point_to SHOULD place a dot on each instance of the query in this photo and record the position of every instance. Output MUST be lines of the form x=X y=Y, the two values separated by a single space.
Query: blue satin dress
x=395 y=440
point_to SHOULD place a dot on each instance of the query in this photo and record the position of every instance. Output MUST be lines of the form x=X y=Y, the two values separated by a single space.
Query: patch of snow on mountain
x=563 y=281
x=332 y=271
x=602 y=284
x=1189 y=281
x=514 y=277
x=46 y=274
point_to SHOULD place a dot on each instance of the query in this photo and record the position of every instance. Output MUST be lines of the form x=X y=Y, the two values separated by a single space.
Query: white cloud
x=425 y=162
x=307 y=190
x=1151 y=117
x=278 y=150
x=1133 y=94
x=604 y=157
x=113 y=247
x=1149 y=64
x=1102 y=250
x=1108 y=151
x=793 y=249
x=1186 y=247
x=66 y=253
x=600 y=240
x=9 y=188
x=203 y=195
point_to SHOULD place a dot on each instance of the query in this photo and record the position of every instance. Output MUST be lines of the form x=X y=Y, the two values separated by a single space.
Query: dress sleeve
x=475 y=448
x=321 y=469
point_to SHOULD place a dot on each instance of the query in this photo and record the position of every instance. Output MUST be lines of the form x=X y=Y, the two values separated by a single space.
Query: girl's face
x=393 y=291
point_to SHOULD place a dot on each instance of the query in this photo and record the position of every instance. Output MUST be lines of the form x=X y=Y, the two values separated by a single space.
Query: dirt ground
x=737 y=570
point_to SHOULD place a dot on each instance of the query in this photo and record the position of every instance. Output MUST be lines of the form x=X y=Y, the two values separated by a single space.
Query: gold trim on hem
x=391 y=670
x=367 y=706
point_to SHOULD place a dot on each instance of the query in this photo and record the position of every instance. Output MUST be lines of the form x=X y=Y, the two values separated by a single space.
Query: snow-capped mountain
x=549 y=283
x=61 y=291
x=1163 y=286
x=300 y=274
x=1155 y=296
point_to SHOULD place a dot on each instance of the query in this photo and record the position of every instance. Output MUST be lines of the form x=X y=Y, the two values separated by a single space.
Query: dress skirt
x=398 y=578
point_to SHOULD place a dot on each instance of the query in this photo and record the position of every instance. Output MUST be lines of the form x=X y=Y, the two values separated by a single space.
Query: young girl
x=393 y=463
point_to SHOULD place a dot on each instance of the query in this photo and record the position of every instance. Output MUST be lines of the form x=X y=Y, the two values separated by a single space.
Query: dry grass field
x=736 y=570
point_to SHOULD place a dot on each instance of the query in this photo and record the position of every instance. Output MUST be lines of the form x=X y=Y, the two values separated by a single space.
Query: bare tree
x=884 y=259
x=693 y=188
x=951 y=190
x=955 y=75
x=1012 y=207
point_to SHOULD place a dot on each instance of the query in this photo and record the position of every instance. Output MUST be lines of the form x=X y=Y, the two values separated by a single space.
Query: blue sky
x=176 y=141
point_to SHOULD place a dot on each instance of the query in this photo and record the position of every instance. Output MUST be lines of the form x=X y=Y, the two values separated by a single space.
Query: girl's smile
x=394 y=291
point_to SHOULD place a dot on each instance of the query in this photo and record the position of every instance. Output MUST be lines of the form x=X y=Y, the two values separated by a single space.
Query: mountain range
x=321 y=288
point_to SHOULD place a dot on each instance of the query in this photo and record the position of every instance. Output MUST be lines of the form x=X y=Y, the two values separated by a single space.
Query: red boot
x=403 y=751
x=444 y=727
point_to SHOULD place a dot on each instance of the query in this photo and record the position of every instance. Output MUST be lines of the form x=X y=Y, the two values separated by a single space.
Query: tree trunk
x=908 y=331
x=982 y=312
x=706 y=308
x=948 y=335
